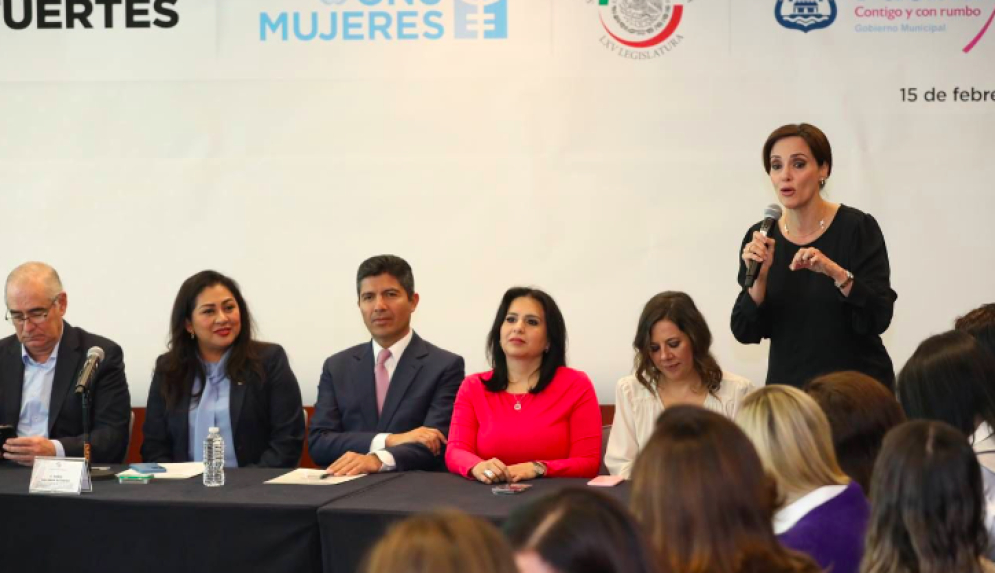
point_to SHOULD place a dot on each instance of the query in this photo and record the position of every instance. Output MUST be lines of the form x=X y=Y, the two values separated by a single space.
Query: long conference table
x=179 y=526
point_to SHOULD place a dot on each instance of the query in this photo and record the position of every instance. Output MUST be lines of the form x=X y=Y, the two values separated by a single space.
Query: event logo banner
x=481 y=19
x=388 y=20
x=640 y=29
x=89 y=14
x=924 y=17
x=805 y=15
x=893 y=17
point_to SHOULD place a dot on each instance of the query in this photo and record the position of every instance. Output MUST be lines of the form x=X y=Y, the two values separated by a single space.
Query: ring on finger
x=489 y=474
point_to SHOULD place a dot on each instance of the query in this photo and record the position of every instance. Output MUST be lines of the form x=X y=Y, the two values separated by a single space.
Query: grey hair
x=35 y=271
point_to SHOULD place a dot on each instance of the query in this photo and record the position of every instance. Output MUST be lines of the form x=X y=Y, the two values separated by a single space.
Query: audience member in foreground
x=928 y=504
x=530 y=416
x=441 y=542
x=823 y=294
x=38 y=370
x=950 y=378
x=673 y=365
x=824 y=512
x=385 y=405
x=576 y=531
x=980 y=323
x=215 y=374
x=860 y=412
x=701 y=493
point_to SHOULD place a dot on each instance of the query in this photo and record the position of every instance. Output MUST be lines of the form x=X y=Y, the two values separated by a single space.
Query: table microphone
x=93 y=358
x=771 y=215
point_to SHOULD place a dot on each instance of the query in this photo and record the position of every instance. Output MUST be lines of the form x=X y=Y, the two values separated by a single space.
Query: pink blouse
x=560 y=426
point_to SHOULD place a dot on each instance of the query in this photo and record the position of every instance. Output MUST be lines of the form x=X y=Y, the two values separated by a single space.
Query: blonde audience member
x=824 y=513
x=700 y=491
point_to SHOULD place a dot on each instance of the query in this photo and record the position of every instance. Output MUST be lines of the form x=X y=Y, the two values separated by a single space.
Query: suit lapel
x=365 y=384
x=65 y=371
x=405 y=373
x=12 y=378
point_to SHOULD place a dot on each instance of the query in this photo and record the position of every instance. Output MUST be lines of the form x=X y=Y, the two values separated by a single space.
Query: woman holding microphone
x=823 y=292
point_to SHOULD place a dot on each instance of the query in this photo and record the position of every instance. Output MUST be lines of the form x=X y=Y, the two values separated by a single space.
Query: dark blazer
x=110 y=403
x=267 y=417
x=421 y=393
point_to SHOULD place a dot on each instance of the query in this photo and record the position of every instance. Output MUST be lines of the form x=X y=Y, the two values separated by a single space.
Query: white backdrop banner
x=604 y=150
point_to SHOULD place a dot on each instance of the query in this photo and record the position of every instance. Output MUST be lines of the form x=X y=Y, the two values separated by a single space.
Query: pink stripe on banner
x=970 y=46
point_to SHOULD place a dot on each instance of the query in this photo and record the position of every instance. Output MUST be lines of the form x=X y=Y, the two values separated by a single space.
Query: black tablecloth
x=351 y=525
x=169 y=526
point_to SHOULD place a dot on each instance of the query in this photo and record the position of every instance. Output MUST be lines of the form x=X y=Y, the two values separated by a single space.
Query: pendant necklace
x=518 y=400
x=822 y=226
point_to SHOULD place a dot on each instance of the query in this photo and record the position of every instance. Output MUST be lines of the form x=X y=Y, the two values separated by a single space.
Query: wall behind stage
x=603 y=150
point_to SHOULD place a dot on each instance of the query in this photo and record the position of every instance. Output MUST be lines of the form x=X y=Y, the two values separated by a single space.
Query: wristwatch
x=540 y=469
x=846 y=282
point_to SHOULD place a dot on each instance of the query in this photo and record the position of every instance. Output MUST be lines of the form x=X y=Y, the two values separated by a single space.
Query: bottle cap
x=213 y=430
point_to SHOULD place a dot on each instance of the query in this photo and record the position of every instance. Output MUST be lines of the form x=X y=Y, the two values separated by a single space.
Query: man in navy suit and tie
x=385 y=405
x=38 y=369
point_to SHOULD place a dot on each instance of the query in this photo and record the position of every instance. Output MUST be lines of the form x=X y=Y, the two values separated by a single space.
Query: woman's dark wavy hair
x=181 y=363
x=980 y=323
x=677 y=307
x=861 y=411
x=556 y=337
x=581 y=531
x=700 y=491
x=949 y=378
x=928 y=503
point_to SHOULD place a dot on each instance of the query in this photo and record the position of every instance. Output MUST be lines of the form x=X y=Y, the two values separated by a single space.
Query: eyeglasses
x=34 y=316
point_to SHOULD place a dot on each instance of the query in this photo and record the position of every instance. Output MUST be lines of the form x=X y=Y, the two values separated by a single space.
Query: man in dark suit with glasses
x=39 y=365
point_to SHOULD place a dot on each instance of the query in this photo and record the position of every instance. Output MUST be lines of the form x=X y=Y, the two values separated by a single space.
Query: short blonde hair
x=793 y=438
x=447 y=541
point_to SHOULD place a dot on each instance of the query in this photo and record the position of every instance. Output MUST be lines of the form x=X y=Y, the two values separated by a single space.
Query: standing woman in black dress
x=823 y=294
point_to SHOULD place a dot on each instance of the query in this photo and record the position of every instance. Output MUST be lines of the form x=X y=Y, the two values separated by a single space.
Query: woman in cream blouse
x=673 y=366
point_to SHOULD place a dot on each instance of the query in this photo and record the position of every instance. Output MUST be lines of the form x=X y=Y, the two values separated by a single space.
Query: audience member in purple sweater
x=827 y=524
x=824 y=513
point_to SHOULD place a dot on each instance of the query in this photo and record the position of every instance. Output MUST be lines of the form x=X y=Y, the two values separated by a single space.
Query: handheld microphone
x=771 y=215
x=93 y=358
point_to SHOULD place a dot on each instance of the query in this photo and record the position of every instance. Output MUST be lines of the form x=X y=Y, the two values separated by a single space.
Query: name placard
x=59 y=476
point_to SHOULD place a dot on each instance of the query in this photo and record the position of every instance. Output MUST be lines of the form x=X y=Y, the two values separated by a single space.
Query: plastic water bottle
x=214 y=458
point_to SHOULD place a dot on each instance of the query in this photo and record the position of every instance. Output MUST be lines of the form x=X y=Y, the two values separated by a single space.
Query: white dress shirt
x=637 y=408
x=983 y=442
x=788 y=516
x=379 y=444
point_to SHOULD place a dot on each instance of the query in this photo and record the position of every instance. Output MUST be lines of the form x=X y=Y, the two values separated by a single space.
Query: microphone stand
x=85 y=398
x=100 y=474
